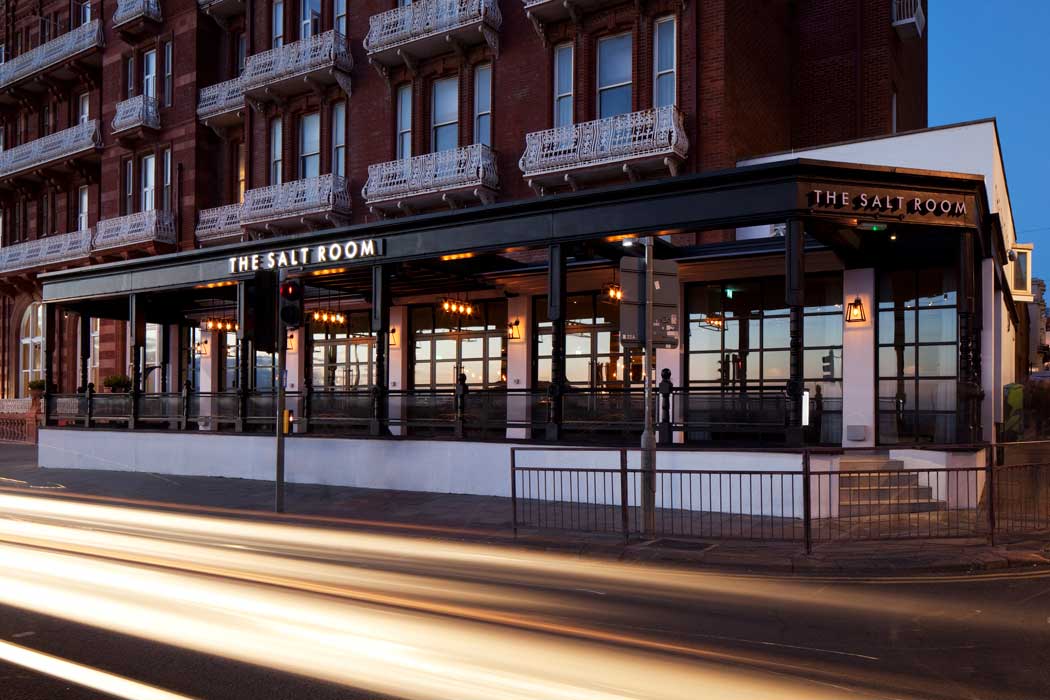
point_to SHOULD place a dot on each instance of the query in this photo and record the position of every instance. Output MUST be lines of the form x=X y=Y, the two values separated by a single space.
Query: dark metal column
x=556 y=303
x=381 y=328
x=51 y=315
x=244 y=363
x=85 y=351
x=137 y=326
x=968 y=392
x=795 y=277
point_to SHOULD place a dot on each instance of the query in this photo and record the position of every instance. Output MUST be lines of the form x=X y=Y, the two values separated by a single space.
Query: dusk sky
x=990 y=59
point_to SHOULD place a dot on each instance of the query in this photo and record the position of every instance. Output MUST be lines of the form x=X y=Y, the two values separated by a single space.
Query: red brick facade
x=753 y=77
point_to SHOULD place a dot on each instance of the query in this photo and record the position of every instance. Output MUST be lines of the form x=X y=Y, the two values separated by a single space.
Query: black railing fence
x=802 y=496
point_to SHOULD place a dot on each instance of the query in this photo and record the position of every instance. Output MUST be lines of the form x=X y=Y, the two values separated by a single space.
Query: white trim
x=673 y=70
x=571 y=94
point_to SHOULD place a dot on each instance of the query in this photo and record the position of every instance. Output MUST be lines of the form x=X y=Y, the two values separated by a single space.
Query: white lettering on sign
x=882 y=203
x=306 y=255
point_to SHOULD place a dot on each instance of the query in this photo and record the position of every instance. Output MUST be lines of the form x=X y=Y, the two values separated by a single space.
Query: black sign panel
x=665 y=303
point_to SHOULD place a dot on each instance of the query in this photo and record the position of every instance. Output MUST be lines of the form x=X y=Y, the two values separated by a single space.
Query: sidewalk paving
x=489 y=519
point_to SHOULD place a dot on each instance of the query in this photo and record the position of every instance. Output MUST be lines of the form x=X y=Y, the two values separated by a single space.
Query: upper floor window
x=563 y=85
x=1021 y=271
x=339 y=139
x=129 y=76
x=242 y=170
x=166 y=179
x=340 y=16
x=45 y=120
x=242 y=52
x=483 y=104
x=309 y=18
x=82 y=11
x=614 y=76
x=665 y=63
x=129 y=186
x=169 y=81
x=147 y=189
x=149 y=73
x=277 y=24
x=445 y=111
x=404 y=121
x=310 y=145
x=84 y=108
x=276 y=150
x=82 y=208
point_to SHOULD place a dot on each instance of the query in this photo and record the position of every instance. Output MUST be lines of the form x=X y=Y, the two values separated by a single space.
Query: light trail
x=80 y=674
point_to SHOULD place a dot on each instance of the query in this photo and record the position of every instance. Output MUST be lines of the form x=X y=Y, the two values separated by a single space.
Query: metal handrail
x=140 y=110
x=220 y=98
x=141 y=227
x=318 y=195
x=219 y=222
x=61 y=48
x=327 y=50
x=422 y=19
x=59 y=145
x=469 y=166
x=128 y=10
x=44 y=251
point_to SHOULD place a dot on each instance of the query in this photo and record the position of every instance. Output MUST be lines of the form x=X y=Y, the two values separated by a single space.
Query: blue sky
x=991 y=59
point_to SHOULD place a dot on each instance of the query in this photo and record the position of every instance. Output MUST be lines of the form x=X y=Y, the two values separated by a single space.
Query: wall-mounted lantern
x=514 y=330
x=855 y=311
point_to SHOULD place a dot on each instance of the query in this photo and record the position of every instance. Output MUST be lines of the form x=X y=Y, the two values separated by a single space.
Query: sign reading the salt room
x=887 y=203
x=322 y=253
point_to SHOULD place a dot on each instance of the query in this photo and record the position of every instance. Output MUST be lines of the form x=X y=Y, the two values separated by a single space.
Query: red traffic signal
x=291 y=307
x=291 y=290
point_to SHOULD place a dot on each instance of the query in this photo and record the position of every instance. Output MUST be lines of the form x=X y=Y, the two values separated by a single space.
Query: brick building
x=137 y=127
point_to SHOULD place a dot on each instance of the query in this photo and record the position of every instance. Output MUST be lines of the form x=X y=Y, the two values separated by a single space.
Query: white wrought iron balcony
x=449 y=177
x=293 y=68
x=429 y=28
x=909 y=19
x=633 y=144
x=543 y=12
x=313 y=201
x=17 y=406
x=139 y=112
x=219 y=105
x=63 y=247
x=219 y=224
x=220 y=10
x=144 y=227
x=60 y=146
x=133 y=11
x=53 y=54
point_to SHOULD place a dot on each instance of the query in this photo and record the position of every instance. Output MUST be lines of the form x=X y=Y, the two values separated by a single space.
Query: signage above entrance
x=892 y=203
x=320 y=254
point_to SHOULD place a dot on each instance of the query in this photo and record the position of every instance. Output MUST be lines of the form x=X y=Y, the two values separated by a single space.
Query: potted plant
x=36 y=388
x=117 y=383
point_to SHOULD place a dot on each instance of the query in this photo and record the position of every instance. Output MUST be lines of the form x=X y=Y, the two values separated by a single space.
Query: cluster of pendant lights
x=614 y=292
x=461 y=308
x=329 y=317
x=219 y=324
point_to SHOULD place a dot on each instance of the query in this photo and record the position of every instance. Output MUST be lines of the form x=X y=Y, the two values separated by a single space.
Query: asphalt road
x=355 y=615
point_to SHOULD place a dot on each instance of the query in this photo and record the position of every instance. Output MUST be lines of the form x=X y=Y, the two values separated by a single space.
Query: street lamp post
x=648 y=451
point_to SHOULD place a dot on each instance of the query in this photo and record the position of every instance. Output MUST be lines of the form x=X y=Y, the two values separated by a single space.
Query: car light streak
x=86 y=676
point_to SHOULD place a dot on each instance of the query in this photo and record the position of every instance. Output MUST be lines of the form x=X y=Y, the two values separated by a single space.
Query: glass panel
x=563 y=111
x=422 y=350
x=703 y=336
x=890 y=390
x=937 y=395
x=704 y=367
x=937 y=325
x=823 y=293
x=578 y=371
x=496 y=346
x=894 y=364
x=444 y=349
x=544 y=345
x=577 y=343
x=937 y=360
x=474 y=370
x=543 y=371
x=563 y=69
x=444 y=373
x=665 y=45
x=614 y=101
x=936 y=286
x=580 y=309
x=421 y=375
x=422 y=320
x=813 y=364
x=896 y=327
x=665 y=85
x=614 y=60
x=1021 y=271
x=777 y=333
x=822 y=330
x=497 y=372
x=472 y=347
x=775 y=365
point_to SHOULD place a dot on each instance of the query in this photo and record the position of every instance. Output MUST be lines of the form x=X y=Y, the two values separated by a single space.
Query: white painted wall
x=858 y=359
x=519 y=363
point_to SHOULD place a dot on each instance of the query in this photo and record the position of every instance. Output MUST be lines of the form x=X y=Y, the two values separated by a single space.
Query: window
x=483 y=104
x=95 y=353
x=893 y=113
x=129 y=186
x=45 y=214
x=340 y=16
x=276 y=149
x=277 y=24
x=129 y=77
x=169 y=82
x=3 y=53
x=84 y=108
x=3 y=139
x=31 y=346
x=242 y=52
x=309 y=18
x=1021 y=271
x=310 y=145
x=665 y=63
x=594 y=358
x=149 y=73
x=82 y=208
x=148 y=186
x=917 y=355
x=343 y=358
x=83 y=12
x=404 y=121
x=563 y=85
x=446 y=345
x=445 y=115
x=166 y=202
x=45 y=120
x=614 y=76
x=242 y=171
x=339 y=139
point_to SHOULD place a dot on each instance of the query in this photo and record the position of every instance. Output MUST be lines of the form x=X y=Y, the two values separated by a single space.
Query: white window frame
x=82 y=208
x=31 y=339
x=434 y=124
x=305 y=156
x=339 y=10
x=149 y=73
x=147 y=182
x=482 y=73
x=404 y=121
x=603 y=88
x=673 y=70
x=277 y=24
x=84 y=12
x=308 y=25
x=339 y=139
x=166 y=202
x=276 y=152
x=569 y=50
x=169 y=73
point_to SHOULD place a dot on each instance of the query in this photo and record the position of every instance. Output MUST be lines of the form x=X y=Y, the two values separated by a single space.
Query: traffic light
x=291 y=311
x=257 y=319
x=828 y=362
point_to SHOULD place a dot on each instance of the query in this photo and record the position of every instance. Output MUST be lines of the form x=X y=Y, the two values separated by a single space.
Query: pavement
x=488 y=519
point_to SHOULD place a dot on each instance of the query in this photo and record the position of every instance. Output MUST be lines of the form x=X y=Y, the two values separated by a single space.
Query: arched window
x=31 y=347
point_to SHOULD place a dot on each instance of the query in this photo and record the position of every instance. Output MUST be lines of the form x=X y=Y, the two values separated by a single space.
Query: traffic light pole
x=282 y=359
x=648 y=452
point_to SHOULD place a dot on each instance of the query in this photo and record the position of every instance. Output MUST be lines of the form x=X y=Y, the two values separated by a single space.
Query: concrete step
x=884 y=493
x=861 y=479
x=869 y=463
x=915 y=505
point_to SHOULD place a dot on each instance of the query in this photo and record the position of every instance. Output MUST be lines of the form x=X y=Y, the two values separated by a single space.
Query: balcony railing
x=320 y=53
x=46 y=251
x=327 y=194
x=56 y=146
x=469 y=168
x=219 y=223
x=86 y=36
x=648 y=134
x=221 y=98
x=909 y=19
x=139 y=111
x=19 y=406
x=129 y=10
x=135 y=229
x=431 y=18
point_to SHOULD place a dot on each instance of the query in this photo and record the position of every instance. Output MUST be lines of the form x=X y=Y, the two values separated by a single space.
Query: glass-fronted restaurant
x=820 y=303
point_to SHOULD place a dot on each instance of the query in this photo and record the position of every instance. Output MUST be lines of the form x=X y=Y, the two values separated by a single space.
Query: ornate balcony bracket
x=451 y=178
x=627 y=145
